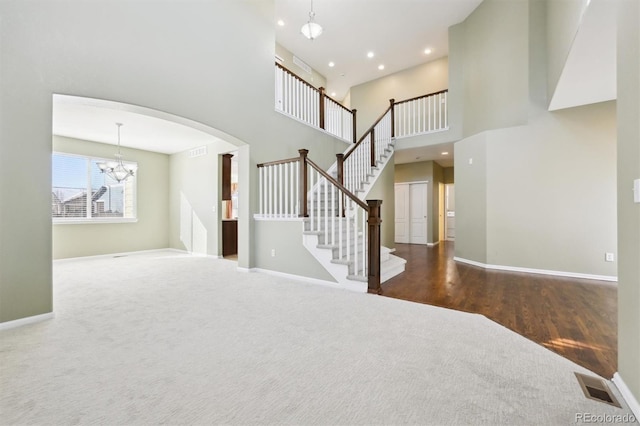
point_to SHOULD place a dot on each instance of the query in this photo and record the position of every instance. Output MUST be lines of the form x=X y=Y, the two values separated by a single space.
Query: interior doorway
x=450 y=212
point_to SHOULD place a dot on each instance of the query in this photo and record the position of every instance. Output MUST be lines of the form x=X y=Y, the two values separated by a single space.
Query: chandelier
x=311 y=29
x=115 y=169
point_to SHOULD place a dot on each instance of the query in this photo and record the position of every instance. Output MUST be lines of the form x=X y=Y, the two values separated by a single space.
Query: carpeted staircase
x=346 y=265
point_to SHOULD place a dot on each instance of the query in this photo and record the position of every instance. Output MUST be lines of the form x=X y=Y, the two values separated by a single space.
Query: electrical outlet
x=273 y=252
x=609 y=257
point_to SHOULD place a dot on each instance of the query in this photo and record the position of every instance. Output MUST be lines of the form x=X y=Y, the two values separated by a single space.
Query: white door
x=418 y=213
x=451 y=212
x=402 y=213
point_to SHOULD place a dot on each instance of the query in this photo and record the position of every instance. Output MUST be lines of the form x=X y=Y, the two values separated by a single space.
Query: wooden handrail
x=338 y=103
x=370 y=208
x=321 y=108
x=287 y=70
x=275 y=163
x=297 y=77
x=422 y=96
x=346 y=192
x=353 y=148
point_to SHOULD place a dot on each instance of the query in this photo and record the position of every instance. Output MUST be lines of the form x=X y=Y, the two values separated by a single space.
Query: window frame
x=96 y=220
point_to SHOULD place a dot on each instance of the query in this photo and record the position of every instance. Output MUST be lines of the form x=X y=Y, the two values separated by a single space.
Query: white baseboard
x=294 y=277
x=24 y=321
x=538 y=271
x=126 y=253
x=629 y=398
x=433 y=244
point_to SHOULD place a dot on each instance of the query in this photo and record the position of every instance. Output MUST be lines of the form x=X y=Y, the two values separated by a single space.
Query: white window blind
x=81 y=192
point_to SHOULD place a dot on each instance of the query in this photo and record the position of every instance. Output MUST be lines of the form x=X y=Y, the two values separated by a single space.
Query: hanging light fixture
x=311 y=29
x=115 y=169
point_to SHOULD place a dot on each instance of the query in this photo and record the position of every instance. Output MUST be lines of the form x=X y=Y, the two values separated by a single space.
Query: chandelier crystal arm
x=116 y=170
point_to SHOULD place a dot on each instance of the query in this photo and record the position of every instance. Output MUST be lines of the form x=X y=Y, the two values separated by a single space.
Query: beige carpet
x=165 y=338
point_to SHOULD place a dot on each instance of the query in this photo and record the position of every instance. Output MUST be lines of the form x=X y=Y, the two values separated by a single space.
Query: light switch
x=636 y=191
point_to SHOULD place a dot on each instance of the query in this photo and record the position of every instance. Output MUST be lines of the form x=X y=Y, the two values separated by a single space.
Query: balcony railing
x=422 y=114
x=299 y=99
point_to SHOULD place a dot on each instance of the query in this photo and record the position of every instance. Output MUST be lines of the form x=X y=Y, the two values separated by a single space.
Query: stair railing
x=299 y=99
x=298 y=187
x=357 y=164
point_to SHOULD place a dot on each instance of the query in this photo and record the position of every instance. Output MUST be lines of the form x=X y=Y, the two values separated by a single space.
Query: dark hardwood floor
x=576 y=318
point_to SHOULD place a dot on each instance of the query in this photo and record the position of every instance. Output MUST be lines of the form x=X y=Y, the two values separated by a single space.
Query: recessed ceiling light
x=333 y=94
x=331 y=64
x=380 y=67
x=281 y=22
x=370 y=55
x=427 y=51
x=445 y=153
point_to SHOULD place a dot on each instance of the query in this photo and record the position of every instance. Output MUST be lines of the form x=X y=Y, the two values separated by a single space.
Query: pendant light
x=115 y=169
x=311 y=29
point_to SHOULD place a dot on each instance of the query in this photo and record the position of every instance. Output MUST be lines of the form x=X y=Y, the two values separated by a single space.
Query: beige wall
x=563 y=20
x=448 y=175
x=75 y=49
x=527 y=200
x=151 y=229
x=314 y=78
x=371 y=99
x=291 y=256
x=470 y=168
x=493 y=53
x=194 y=201
x=383 y=190
x=550 y=192
x=628 y=212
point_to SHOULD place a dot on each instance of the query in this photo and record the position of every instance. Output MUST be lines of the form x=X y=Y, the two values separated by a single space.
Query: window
x=82 y=193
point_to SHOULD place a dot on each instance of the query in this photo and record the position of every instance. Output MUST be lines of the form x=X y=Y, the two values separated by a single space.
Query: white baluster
x=326 y=210
x=364 y=242
x=311 y=212
x=446 y=109
x=340 y=220
x=349 y=201
x=333 y=215
x=297 y=188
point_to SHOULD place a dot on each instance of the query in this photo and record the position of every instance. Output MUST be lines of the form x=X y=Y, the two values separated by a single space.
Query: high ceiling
x=397 y=31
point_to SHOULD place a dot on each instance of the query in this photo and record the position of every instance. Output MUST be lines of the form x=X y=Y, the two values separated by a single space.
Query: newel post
x=302 y=195
x=340 y=178
x=373 y=147
x=321 y=107
x=340 y=167
x=374 y=222
x=392 y=103
x=355 y=134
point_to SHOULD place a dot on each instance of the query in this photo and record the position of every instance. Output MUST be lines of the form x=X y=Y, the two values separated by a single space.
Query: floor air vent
x=596 y=389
